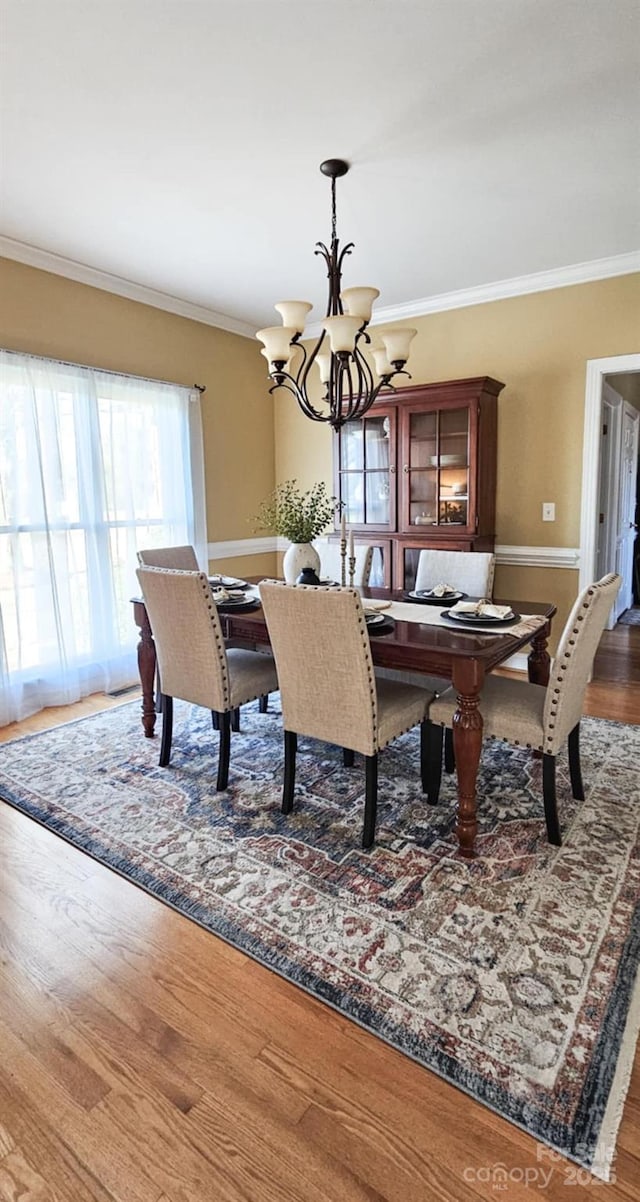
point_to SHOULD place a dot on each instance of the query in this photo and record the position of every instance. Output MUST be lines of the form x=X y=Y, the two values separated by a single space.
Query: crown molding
x=481 y=294
x=45 y=260
x=521 y=285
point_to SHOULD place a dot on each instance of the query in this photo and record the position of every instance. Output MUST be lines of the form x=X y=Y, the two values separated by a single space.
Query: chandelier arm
x=303 y=371
x=345 y=413
x=283 y=379
x=358 y=403
x=336 y=394
x=300 y=372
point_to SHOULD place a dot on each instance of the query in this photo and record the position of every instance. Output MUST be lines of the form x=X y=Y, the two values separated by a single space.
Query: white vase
x=298 y=556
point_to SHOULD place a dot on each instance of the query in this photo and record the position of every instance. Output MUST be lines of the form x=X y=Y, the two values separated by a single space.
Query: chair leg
x=215 y=720
x=370 y=800
x=290 y=749
x=166 y=706
x=263 y=704
x=575 y=770
x=348 y=757
x=424 y=754
x=449 y=753
x=235 y=719
x=434 y=761
x=549 y=795
x=224 y=750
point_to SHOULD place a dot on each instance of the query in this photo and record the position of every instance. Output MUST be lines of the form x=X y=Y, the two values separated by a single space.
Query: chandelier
x=350 y=384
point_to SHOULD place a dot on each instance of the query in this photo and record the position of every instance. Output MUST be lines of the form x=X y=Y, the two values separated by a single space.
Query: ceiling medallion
x=350 y=384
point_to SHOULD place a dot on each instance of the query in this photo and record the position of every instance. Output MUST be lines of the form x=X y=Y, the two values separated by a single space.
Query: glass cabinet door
x=435 y=470
x=366 y=467
x=453 y=467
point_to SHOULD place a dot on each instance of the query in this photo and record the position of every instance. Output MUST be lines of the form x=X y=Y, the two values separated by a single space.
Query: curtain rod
x=201 y=388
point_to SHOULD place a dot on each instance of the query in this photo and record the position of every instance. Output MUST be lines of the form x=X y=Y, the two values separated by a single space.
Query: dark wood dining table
x=463 y=657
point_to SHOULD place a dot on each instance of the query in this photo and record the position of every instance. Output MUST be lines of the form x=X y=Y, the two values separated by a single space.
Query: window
x=92 y=467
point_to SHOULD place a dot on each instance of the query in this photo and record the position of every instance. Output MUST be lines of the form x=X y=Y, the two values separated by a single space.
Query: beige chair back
x=182 y=558
x=331 y=563
x=470 y=571
x=574 y=659
x=323 y=660
x=188 y=636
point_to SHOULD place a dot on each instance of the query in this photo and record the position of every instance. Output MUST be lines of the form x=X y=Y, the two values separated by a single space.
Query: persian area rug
x=512 y=976
x=630 y=617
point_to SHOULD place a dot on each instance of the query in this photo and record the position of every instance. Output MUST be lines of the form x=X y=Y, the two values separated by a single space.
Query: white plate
x=429 y=595
x=479 y=619
x=449 y=461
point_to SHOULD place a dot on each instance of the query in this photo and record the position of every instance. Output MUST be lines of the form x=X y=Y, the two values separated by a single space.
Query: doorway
x=609 y=518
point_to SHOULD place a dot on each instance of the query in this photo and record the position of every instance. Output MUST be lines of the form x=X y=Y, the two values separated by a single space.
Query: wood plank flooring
x=144 y=1060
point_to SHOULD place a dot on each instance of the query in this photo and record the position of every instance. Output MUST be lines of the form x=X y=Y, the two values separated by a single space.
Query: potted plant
x=300 y=517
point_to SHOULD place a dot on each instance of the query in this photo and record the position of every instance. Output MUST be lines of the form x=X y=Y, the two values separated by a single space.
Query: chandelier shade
x=349 y=384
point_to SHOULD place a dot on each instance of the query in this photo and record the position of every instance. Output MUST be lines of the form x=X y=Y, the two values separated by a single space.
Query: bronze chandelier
x=351 y=385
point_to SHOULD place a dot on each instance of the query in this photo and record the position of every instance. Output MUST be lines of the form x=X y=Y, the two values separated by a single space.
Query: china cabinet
x=419 y=470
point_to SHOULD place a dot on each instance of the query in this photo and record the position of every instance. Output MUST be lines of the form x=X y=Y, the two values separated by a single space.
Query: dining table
x=415 y=639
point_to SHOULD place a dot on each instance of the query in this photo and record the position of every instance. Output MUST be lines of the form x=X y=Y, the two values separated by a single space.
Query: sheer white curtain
x=92 y=467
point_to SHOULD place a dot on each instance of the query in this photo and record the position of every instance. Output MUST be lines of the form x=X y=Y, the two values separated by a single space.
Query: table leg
x=467 y=744
x=539 y=662
x=146 y=668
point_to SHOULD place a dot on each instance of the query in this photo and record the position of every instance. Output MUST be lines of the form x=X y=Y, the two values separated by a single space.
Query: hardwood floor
x=144 y=1060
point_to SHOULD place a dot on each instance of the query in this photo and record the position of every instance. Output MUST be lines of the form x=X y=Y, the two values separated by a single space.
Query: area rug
x=630 y=617
x=512 y=976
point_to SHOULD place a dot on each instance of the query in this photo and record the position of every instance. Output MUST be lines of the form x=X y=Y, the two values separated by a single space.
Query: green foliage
x=295 y=515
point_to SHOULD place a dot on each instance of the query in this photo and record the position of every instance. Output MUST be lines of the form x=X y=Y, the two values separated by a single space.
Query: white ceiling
x=176 y=143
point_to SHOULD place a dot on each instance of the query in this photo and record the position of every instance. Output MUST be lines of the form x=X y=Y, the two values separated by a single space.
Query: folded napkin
x=442 y=590
x=374 y=606
x=481 y=609
x=229 y=594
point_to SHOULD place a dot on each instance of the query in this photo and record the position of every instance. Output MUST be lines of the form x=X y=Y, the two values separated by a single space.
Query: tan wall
x=538 y=346
x=44 y=314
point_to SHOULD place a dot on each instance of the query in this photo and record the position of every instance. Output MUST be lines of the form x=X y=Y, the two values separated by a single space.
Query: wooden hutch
x=419 y=470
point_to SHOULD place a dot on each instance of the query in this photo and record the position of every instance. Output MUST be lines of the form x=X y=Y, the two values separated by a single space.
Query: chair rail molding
x=539 y=557
x=234 y=548
x=526 y=557
x=597 y=369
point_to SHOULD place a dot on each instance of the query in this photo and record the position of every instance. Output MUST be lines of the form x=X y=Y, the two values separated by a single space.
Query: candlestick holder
x=352 y=569
x=343 y=559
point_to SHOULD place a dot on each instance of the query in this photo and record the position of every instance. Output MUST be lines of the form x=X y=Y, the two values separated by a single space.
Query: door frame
x=597 y=369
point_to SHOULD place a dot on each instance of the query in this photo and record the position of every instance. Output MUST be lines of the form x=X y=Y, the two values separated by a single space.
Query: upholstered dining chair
x=470 y=571
x=331 y=563
x=194 y=663
x=535 y=716
x=182 y=558
x=328 y=687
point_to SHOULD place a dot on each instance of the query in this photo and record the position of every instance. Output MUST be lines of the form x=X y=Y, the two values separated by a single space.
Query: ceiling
x=176 y=143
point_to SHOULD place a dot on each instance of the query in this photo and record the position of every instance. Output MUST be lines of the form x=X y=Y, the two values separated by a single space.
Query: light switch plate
x=548 y=511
